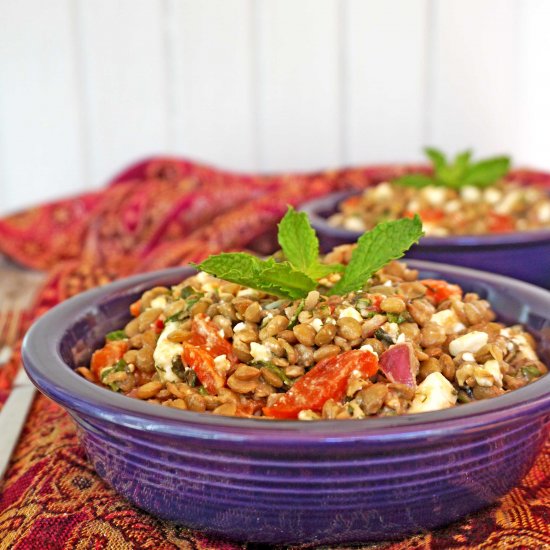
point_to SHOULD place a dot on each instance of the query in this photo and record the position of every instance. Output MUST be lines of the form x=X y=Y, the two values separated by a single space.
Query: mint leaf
x=283 y=280
x=462 y=162
x=452 y=174
x=387 y=241
x=300 y=245
x=279 y=279
x=298 y=240
x=438 y=158
x=322 y=270
x=486 y=172
x=414 y=180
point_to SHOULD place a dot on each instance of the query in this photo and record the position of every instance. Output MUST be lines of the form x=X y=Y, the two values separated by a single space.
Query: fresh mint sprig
x=458 y=173
x=298 y=274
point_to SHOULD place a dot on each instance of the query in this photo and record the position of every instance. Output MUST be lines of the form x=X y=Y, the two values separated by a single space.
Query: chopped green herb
x=363 y=303
x=116 y=335
x=119 y=366
x=465 y=394
x=202 y=390
x=397 y=317
x=530 y=372
x=178 y=316
x=275 y=369
x=190 y=377
x=368 y=314
x=463 y=397
x=178 y=367
x=187 y=291
x=192 y=300
x=294 y=319
x=383 y=336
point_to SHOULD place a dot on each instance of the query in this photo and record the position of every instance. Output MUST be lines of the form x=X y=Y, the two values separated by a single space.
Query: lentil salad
x=361 y=341
x=501 y=208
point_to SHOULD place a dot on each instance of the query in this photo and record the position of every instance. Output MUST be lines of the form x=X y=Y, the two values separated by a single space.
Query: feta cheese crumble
x=472 y=342
x=165 y=352
x=433 y=394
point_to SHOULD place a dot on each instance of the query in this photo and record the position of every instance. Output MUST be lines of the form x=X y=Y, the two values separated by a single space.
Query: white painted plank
x=299 y=88
x=124 y=72
x=475 y=99
x=40 y=154
x=386 y=63
x=534 y=84
x=212 y=65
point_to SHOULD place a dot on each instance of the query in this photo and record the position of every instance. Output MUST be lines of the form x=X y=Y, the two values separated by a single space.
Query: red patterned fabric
x=164 y=212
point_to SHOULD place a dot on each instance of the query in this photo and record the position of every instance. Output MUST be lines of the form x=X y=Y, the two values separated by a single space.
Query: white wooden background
x=87 y=86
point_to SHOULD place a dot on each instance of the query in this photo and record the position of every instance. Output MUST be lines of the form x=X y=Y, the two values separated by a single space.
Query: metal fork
x=10 y=320
x=16 y=408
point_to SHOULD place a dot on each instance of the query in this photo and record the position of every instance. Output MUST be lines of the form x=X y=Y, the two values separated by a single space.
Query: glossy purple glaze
x=522 y=255
x=292 y=482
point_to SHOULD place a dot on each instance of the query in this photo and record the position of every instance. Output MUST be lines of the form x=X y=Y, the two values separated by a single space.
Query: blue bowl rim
x=313 y=207
x=54 y=378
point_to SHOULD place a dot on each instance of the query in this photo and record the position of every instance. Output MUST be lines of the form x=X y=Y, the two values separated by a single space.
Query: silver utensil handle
x=13 y=416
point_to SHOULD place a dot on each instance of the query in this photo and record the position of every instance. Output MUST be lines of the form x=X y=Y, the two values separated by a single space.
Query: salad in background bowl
x=474 y=215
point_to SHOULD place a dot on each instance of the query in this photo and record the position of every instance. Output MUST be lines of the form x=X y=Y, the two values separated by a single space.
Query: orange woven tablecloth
x=159 y=213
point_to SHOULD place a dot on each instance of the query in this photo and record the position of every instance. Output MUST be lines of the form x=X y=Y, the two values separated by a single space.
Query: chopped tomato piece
x=439 y=290
x=135 y=308
x=376 y=300
x=500 y=223
x=202 y=362
x=327 y=379
x=159 y=326
x=206 y=334
x=351 y=202
x=247 y=407
x=431 y=214
x=108 y=355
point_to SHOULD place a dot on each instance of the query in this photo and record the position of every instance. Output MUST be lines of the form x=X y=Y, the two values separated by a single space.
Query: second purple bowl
x=283 y=482
x=521 y=255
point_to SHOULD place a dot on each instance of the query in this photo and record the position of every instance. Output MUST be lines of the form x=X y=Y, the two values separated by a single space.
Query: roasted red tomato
x=431 y=214
x=500 y=223
x=135 y=308
x=327 y=379
x=206 y=335
x=108 y=355
x=202 y=362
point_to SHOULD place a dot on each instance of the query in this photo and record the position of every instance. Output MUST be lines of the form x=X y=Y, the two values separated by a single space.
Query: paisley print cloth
x=159 y=213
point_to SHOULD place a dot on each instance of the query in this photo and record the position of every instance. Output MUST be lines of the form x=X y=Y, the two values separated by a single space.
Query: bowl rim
x=319 y=222
x=53 y=377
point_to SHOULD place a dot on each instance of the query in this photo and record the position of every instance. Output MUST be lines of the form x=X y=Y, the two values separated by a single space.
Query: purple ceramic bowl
x=522 y=255
x=289 y=481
